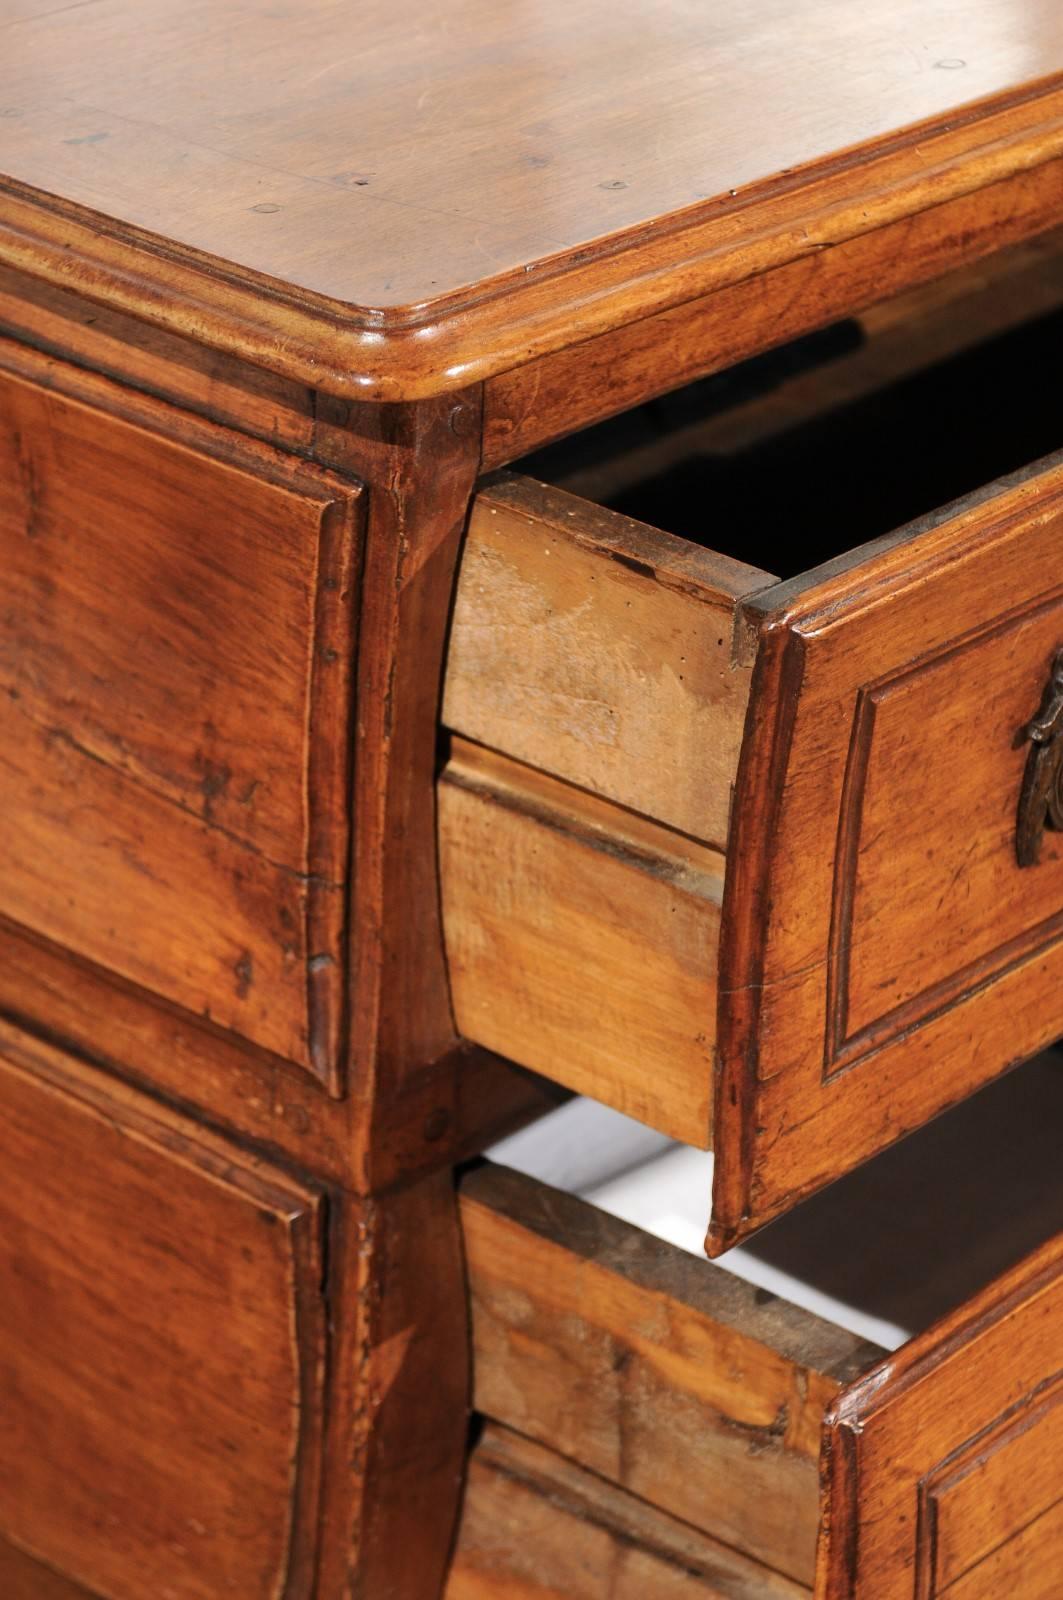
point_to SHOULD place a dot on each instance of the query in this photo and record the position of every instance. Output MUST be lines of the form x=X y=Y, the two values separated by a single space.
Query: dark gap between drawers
x=903 y=1240
x=715 y=465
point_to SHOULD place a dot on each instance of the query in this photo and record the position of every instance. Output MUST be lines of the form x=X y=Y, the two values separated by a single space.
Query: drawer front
x=175 y=654
x=948 y=1462
x=883 y=951
x=161 y=1347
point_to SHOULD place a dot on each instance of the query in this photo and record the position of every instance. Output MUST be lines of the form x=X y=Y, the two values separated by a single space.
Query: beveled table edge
x=420 y=351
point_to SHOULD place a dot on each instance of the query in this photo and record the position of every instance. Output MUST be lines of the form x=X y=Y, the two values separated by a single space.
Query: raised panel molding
x=847 y=1046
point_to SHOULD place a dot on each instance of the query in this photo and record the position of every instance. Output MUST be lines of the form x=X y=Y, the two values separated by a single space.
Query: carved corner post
x=424 y=465
x=399 y=1379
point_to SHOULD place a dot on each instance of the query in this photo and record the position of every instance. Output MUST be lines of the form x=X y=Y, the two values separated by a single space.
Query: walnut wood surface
x=171 y=366
x=23 y=1578
x=580 y=384
x=536 y=1527
x=656 y=1371
x=154 y=255
x=985 y=308
x=422 y=462
x=162 y=1346
x=398 y=1400
x=176 y=658
x=396 y=1375
x=503 y=181
x=883 y=953
x=943 y=1466
x=253 y=1383
x=186 y=759
x=449 y=1112
x=875 y=919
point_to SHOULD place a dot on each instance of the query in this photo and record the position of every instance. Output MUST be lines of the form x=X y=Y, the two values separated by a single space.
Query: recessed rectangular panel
x=161 y=1348
x=944 y=1464
x=885 y=951
x=929 y=903
x=175 y=658
x=1008 y=1479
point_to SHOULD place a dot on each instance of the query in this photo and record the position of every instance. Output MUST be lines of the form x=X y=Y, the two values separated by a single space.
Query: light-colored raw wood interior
x=602 y=651
x=611 y=658
x=701 y=1393
x=538 y=1525
x=582 y=870
x=579 y=932
x=657 y=1372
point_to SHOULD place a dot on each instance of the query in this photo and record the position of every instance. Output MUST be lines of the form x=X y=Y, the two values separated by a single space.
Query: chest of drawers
x=362 y=792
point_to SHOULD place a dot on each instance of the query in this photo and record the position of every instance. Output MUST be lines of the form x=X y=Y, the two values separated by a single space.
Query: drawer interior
x=702 y=1387
x=798 y=455
x=987 y=1173
x=694 y=822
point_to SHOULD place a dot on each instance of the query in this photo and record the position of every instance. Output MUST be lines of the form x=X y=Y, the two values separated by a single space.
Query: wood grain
x=22 y=1578
x=565 y=170
x=284 y=1368
x=877 y=794
x=176 y=656
x=200 y=679
x=1027 y=1565
x=656 y=1371
x=422 y=463
x=680 y=1384
x=279 y=223
x=870 y=980
x=162 y=1345
x=536 y=1527
x=599 y=376
x=599 y=650
x=1008 y=1479
x=581 y=939
x=957 y=1412
x=398 y=1394
x=170 y=366
x=279 y=1107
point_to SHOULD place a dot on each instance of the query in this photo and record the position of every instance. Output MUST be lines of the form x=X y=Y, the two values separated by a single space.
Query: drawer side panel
x=600 y=650
x=534 y=1525
x=581 y=941
x=659 y=1373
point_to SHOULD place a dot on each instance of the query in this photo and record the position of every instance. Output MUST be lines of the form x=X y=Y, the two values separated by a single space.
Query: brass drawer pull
x=1041 y=800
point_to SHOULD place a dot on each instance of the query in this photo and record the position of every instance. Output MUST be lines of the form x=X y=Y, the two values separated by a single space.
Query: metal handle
x=1041 y=800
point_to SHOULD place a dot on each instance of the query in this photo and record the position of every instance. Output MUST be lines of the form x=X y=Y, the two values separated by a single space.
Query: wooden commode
x=532 y=555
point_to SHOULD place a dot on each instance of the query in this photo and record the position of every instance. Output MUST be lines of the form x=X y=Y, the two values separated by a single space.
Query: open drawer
x=770 y=865
x=725 y=1407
